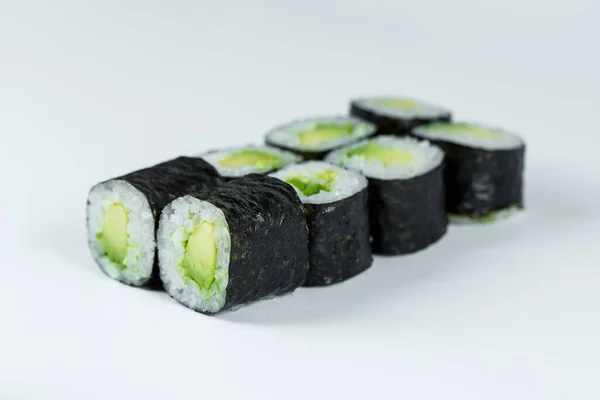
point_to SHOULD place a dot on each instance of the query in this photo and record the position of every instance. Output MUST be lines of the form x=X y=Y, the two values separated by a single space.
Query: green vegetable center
x=399 y=103
x=114 y=237
x=200 y=258
x=311 y=185
x=325 y=132
x=387 y=155
x=255 y=158
x=466 y=129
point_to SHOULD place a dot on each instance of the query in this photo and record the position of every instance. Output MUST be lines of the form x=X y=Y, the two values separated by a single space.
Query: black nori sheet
x=388 y=125
x=269 y=237
x=307 y=155
x=481 y=182
x=339 y=243
x=164 y=182
x=407 y=215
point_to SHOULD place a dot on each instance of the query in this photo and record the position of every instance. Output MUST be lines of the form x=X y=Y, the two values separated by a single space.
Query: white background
x=91 y=90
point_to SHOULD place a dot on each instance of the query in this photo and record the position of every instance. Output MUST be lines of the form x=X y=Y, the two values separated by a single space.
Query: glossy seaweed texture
x=407 y=215
x=481 y=182
x=269 y=237
x=339 y=240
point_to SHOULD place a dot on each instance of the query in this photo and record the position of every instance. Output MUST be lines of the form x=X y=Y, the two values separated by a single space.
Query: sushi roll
x=406 y=191
x=397 y=115
x=239 y=161
x=234 y=244
x=312 y=138
x=484 y=170
x=122 y=215
x=335 y=204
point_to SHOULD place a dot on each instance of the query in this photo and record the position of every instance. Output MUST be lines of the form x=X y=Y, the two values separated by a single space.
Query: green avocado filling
x=386 y=155
x=200 y=258
x=325 y=132
x=259 y=159
x=399 y=103
x=309 y=186
x=114 y=237
x=465 y=129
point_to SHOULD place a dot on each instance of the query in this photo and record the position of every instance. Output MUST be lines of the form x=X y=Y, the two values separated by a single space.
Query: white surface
x=89 y=90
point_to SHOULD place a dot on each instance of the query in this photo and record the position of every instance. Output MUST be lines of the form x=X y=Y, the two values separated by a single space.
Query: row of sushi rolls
x=310 y=207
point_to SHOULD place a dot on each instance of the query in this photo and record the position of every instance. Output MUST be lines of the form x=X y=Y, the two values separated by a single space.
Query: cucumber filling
x=465 y=129
x=253 y=158
x=311 y=185
x=404 y=104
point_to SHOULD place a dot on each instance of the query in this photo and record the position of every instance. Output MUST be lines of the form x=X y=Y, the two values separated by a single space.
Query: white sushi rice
x=177 y=221
x=288 y=135
x=137 y=265
x=420 y=109
x=345 y=183
x=498 y=140
x=425 y=157
x=215 y=158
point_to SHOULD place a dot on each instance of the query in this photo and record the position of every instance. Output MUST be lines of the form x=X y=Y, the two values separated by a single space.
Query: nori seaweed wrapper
x=269 y=237
x=407 y=215
x=389 y=125
x=339 y=241
x=481 y=182
x=164 y=182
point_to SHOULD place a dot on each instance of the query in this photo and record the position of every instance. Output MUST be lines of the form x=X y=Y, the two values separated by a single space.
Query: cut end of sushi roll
x=239 y=161
x=388 y=157
x=194 y=251
x=470 y=135
x=121 y=231
x=320 y=134
x=318 y=182
x=399 y=107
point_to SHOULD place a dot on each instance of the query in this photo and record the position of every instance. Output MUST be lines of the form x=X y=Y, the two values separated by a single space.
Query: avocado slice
x=387 y=155
x=114 y=237
x=404 y=104
x=200 y=258
x=253 y=157
x=324 y=132
x=311 y=185
x=466 y=129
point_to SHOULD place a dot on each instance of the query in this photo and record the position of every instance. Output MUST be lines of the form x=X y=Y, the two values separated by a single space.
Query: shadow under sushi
x=550 y=209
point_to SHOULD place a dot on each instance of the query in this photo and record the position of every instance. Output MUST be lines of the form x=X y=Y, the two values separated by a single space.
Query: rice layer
x=136 y=268
x=418 y=158
x=340 y=183
x=471 y=135
x=290 y=135
x=177 y=222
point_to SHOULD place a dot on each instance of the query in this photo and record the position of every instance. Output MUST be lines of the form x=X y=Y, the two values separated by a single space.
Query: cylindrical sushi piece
x=397 y=115
x=484 y=170
x=122 y=215
x=234 y=244
x=239 y=161
x=406 y=191
x=313 y=138
x=335 y=204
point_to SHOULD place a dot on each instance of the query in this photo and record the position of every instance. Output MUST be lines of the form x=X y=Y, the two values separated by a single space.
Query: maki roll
x=406 y=191
x=335 y=204
x=122 y=215
x=484 y=170
x=397 y=116
x=239 y=161
x=237 y=243
x=314 y=137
